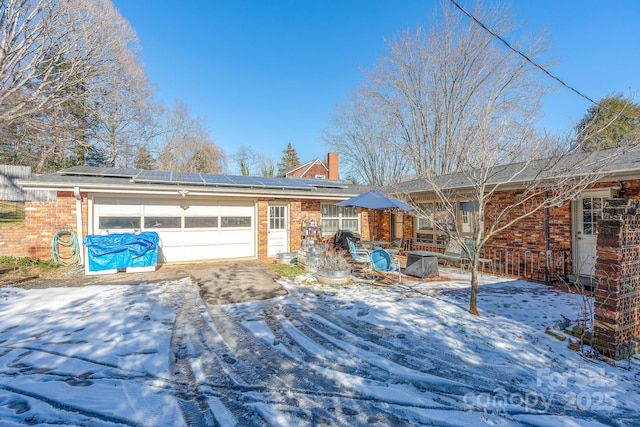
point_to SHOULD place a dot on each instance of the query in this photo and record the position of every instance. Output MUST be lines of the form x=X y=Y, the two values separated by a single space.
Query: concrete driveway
x=222 y=282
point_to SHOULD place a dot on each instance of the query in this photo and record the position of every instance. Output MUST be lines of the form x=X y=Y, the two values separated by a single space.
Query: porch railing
x=531 y=264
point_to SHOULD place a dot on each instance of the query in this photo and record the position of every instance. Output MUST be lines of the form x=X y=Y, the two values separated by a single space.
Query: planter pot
x=334 y=277
x=285 y=257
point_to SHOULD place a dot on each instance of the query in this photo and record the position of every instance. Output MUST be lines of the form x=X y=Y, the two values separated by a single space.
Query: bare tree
x=72 y=81
x=477 y=141
x=438 y=87
x=498 y=196
x=186 y=145
x=362 y=135
x=267 y=165
x=246 y=159
x=121 y=104
x=46 y=48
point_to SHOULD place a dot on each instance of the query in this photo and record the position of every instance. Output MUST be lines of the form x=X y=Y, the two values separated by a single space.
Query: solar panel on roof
x=166 y=177
x=215 y=179
x=186 y=178
x=153 y=176
x=100 y=171
x=250 y=181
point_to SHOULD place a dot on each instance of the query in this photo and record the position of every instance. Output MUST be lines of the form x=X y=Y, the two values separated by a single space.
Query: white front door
x=278 y=230
x=588 y=213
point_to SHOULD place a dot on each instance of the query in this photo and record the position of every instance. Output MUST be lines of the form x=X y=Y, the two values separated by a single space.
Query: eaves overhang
x=119 y=186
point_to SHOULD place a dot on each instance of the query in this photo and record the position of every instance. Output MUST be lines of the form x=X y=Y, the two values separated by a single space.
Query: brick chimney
x=332 y=165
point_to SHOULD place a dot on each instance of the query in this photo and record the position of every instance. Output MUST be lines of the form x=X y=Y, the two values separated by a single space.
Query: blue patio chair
x=382 y=262
x=360 y=256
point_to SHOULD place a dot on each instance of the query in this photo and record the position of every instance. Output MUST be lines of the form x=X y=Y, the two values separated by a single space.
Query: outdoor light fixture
x=183 y=193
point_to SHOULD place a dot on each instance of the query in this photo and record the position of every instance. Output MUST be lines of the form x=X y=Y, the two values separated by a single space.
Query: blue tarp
x=115 y=251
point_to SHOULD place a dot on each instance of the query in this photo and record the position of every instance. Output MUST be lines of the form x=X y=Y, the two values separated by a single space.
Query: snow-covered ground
x=411 y=354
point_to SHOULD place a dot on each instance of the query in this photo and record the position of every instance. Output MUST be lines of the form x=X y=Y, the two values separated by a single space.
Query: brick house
x=197 y=216
x=551 y=244
x=201 y=216
x=316 y=169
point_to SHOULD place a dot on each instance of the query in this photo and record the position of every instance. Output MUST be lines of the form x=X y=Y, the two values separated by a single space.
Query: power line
x=532 y=62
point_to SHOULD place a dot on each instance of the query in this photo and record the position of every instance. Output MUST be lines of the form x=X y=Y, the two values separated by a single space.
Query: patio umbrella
x=375 y=200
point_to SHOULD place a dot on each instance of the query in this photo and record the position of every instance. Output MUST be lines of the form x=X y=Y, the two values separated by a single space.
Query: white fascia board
x=175 y=192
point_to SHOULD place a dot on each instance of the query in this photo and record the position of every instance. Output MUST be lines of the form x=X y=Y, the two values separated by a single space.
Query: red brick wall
x=616 y=330
x=332 y=165
x=529 y=232
x=299 y=211
x=316 y=169
x=42 y=221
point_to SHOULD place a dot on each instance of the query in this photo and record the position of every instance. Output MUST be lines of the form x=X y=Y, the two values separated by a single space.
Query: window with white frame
x=334 y=218
x=467 y=211
x=428 y=231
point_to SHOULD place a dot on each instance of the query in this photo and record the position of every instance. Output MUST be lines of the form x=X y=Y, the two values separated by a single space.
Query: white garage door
x=189 y=230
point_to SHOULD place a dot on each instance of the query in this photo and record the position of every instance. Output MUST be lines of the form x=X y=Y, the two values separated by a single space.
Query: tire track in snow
x=92 y=415
x=438 y=363
x=288 y=383
x=191 y=400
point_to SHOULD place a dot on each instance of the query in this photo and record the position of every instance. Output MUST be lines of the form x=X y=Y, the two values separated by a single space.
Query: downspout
x=546 y=240
x=78 y=196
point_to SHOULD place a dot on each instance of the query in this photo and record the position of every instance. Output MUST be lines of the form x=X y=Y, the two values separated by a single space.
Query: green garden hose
x=65 y=248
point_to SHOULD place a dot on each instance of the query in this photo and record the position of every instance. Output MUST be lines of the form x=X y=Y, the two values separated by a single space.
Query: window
x=162 y=222
x=334 y=218
x=424 y=222
x=429 y=231
x=119 y=222
x=277 y=216
x=591 y=214
x=467 y=210
x=201 y=222
x=235 y=221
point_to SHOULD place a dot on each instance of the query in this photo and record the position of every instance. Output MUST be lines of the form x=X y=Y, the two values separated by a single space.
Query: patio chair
x=453 y=253
x=382 y=262
x=395 y=247
x=482 y=261
x=360 y=256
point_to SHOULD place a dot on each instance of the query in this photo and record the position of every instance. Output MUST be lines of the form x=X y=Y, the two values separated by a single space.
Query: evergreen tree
x=144 y=159
x=289 y=160
x=613 y=122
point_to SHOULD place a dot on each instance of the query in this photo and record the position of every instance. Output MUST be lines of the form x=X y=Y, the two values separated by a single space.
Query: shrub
x=333 y=261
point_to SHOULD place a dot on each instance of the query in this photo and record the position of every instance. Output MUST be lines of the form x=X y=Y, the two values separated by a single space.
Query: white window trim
x=339 y=218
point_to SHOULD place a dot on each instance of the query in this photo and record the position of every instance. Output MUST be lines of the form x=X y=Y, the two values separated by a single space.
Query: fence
x=11 y=191
x=531 y=264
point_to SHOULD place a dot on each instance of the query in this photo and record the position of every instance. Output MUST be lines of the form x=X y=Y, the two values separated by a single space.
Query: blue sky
x=266 y=73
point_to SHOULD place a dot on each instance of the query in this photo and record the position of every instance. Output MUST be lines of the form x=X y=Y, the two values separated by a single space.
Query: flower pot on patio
x=333 y=269
x=334 y=277
x=285 y=257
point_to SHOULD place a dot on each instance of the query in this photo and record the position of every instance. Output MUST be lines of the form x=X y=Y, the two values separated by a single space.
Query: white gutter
x=176 y=192
x=76 y=193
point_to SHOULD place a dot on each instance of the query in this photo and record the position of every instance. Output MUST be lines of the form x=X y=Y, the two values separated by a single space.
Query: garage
x=189 y=229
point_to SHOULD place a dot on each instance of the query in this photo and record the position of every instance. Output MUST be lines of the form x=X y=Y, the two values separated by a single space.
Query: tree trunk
x=473 y=299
